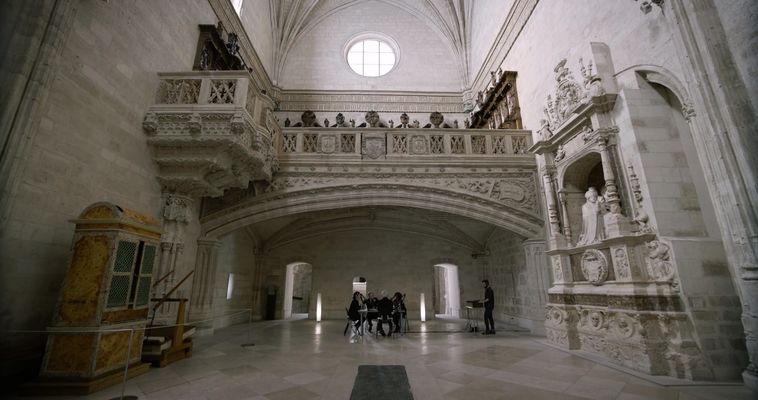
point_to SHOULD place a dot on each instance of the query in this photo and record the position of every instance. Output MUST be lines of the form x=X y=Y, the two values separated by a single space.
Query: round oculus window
x=371 y=57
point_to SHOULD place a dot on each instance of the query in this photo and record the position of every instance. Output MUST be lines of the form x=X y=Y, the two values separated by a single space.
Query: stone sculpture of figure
x=560 y=153
x=455 y=124
x=326 y=122
x=436 y=119
x=372 y=117
x=479 y=98
x=287 y=123
x=466 y=123
x=493 y=78
x=352 y=123
x=404 y=121
x=392 y=123
x=592 y=219
x=309 y=119
x=415 y=123
x=340 y=122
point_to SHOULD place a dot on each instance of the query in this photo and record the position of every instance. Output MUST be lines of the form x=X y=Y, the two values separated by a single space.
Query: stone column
x=556 y=239
x=203 y=283
x=616 y=224
x=564 y=215
x=177 y=211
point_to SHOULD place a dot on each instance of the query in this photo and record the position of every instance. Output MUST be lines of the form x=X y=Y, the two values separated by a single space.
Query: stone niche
x=615 y=288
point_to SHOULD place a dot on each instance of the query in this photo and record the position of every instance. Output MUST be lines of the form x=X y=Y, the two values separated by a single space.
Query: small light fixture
x=318 y=307
x=423 y=308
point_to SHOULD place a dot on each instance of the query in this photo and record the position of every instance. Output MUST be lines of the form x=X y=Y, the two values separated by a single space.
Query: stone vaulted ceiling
x=293 y=18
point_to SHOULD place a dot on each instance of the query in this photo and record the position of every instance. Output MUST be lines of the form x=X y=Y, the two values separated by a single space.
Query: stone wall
x=85 y=143
x=389 y=260
x=256 y=18
x=235 y=256
x=520 y=289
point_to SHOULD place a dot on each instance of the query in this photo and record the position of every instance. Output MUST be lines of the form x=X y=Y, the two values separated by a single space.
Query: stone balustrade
x=211 y=131
x=411 y=143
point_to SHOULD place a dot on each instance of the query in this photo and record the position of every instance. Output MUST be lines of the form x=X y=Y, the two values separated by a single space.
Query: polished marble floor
x=305 y=360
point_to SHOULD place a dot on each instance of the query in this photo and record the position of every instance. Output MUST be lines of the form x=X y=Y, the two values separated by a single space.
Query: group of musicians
x=381 y=309
x=391 y=311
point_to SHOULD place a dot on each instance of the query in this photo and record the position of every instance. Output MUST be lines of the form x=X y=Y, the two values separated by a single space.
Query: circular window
x=371 y=56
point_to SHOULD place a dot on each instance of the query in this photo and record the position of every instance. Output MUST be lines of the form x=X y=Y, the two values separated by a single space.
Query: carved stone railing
x=403 y=144
x=211 y=131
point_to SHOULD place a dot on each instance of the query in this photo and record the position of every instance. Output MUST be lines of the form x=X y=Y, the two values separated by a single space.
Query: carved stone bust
x=372 y=117
x=436 y=119
x=308 y=118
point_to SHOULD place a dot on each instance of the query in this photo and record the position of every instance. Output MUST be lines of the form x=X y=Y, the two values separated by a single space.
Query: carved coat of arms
x=374 y=146
x=328 y=144
x=418 y=145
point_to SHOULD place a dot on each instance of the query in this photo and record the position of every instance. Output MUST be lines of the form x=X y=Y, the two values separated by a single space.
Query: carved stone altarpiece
x=649 y=331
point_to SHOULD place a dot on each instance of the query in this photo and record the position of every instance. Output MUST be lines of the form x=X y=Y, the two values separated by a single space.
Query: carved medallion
x=327 y=144
x=418 y=145
x=594 y=266
x=374 y=147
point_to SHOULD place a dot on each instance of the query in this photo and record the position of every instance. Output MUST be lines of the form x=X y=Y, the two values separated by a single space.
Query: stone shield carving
x=418 y=145
x=594 y=266
x=327 y=144
x=374 y=147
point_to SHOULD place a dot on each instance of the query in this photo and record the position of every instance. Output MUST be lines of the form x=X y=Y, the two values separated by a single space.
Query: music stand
x=472 y=324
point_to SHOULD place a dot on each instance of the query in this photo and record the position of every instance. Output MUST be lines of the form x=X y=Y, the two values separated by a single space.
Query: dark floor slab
x=381 y=382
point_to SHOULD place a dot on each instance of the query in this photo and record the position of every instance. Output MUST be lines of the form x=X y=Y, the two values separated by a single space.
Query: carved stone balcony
x=211 y=131
x=407 y=145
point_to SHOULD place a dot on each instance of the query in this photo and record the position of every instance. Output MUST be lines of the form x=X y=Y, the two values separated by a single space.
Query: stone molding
x=358 y=101
x=247 y=210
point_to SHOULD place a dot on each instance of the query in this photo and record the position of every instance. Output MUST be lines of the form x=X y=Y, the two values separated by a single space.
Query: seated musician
x=398 y=309
x=370 y=304
x=384 y=307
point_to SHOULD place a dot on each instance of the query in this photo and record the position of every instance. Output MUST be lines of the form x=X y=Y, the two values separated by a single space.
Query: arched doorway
x=447 y=299
x=297 y=290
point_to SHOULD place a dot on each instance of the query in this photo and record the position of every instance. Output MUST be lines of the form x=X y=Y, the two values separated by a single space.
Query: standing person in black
x=384 y=307
x=398 y=309
x=489 y=305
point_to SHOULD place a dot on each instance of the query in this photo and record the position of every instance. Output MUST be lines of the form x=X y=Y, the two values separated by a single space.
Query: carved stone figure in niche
x=479 y=98
x=287 y=123
x=392 y=123
x=659 y=261
x=455 y=124
x=326 y=122
x=308 y=119
x=436 y=119
x=560 y=153
x=415 y=124
x=352 y=123
x=493 y=78
x=404 y=121
x=592 y=219
x=466 y=123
